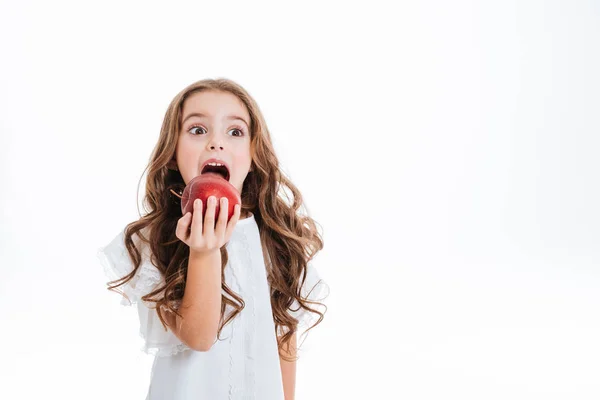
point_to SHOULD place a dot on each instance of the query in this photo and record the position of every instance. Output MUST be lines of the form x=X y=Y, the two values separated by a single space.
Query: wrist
x=200 y=255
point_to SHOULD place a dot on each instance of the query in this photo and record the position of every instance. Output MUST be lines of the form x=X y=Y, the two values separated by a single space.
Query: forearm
x=201 y=303
x=288 y=370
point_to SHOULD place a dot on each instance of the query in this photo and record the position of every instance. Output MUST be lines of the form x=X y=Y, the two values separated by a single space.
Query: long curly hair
x=289 y=238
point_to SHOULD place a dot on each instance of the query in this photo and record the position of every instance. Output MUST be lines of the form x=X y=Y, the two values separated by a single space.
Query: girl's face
x=214 y=124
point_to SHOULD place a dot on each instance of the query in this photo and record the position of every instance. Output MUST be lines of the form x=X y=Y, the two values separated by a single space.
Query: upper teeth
x=214 y=164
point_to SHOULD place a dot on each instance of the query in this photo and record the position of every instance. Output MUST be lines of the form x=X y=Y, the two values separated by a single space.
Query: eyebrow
x=230 y=117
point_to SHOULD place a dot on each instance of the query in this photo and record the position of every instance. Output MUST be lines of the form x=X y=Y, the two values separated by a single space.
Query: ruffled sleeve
x=316 y=289
x=116 y=263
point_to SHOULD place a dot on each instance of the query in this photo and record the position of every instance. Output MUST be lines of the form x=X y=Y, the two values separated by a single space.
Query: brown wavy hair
x=289 y=238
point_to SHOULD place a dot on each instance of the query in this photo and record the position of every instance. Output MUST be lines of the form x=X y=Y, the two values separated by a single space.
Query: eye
x=193 y=127
x=241 y=131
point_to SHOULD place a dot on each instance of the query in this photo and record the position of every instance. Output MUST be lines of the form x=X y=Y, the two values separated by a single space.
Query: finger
x=182 y=226
x=196 y=224
x=234 y=219
x=209 y=217
x=222 y=221
x=187 y=224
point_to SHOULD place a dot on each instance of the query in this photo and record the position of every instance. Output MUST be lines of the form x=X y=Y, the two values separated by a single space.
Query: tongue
x=215 y=174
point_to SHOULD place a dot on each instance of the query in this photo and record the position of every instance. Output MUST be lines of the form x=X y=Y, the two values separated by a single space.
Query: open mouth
x=218 y=169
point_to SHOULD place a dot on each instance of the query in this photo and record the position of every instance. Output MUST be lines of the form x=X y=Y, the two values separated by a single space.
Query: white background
x=449 y=150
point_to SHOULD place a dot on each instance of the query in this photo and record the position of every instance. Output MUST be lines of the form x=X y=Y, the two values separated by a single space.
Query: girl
x=220 y=303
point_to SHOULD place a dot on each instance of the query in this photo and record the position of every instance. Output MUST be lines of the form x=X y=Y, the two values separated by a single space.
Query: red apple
x=206 y=185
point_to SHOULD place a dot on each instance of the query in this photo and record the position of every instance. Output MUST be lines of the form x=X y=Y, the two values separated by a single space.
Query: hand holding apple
x=201 y=233
x=202 y=236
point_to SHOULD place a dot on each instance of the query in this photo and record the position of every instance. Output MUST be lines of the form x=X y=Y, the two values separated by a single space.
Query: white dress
x=244 y=364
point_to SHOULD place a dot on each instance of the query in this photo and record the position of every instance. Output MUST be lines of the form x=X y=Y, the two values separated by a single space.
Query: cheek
x=186 y=151
x=243 y=163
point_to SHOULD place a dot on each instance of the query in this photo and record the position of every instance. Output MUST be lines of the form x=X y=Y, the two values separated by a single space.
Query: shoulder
x=118 y=263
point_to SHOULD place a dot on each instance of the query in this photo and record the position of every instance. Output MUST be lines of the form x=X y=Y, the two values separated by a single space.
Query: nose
x=215 y=142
